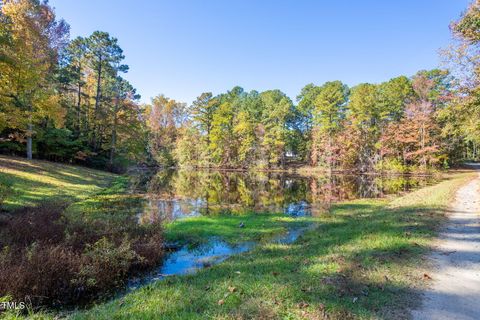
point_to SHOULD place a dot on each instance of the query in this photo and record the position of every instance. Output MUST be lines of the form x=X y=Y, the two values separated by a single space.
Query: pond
x=172 y=195
x=177 y=195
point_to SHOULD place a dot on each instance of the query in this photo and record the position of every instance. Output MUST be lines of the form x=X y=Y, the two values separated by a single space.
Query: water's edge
x=187 y=260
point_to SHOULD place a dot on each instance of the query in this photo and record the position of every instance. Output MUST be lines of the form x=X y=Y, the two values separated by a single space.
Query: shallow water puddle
x=190 y=260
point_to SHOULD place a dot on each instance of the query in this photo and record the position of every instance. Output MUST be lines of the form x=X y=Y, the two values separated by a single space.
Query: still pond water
x=173 y=195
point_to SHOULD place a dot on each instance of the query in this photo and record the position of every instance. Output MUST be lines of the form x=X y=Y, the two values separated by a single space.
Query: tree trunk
x=330 y=155
x=114 y=133
x=97 y=103
x=29 y=138
x=99 y=91
x=380 y=152
x=79 y=113
x=424 y=159
x=209 y=152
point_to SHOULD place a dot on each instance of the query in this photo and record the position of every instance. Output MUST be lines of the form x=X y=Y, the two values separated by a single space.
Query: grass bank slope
x=363 y=261
x=30 y=182
x=70 y=235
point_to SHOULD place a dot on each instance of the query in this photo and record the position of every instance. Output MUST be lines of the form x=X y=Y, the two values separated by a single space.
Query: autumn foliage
x=66 y=100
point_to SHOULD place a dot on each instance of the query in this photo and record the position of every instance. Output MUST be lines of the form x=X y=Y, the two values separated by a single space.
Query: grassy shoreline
x=361 y=262
x=258 y=227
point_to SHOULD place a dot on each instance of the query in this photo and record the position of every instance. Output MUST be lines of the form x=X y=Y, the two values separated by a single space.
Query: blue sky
x=182 y=48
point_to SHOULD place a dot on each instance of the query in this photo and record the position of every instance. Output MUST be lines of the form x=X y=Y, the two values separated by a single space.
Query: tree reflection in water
x=172 y=195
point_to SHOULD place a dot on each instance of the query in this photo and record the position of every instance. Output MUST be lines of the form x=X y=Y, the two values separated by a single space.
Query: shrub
x=391 y=166
x=147 y=248
x=106 y=264
x=53 y=259
x=41 y=272
x=28 y=225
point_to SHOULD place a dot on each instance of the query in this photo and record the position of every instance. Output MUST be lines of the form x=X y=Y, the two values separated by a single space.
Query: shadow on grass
x=64 y=173
x=36 y=181
x=361 y=262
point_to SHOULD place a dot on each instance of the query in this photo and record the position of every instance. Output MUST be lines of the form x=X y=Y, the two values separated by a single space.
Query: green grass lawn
x=363 y=261
x=35 y=181
x=257 y=227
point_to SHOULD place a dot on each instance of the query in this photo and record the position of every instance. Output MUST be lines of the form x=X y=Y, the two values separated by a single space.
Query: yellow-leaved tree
x=32 y=40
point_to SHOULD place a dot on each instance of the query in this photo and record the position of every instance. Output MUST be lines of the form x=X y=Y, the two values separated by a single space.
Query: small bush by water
x=54 y=260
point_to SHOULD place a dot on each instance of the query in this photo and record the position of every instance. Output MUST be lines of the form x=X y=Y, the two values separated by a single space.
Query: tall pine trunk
x=97 y=103
x=114 y=133
x=330 y=155
x=79 y=113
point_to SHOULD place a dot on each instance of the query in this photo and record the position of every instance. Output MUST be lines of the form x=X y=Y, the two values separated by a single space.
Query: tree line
x=62 y=99
x=395 y=124
x=66 y=100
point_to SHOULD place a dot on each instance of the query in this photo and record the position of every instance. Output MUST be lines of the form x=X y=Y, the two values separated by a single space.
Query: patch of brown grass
x=50 y=260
